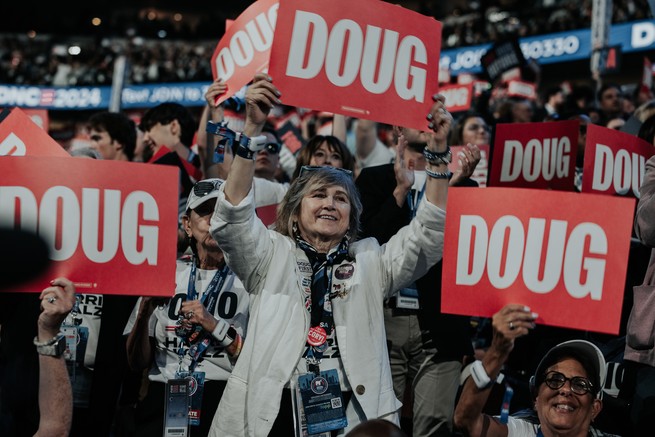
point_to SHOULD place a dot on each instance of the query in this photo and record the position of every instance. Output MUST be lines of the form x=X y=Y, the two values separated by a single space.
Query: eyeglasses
x=309 y=168
x=579 y=385
x=273 y=148
x=203 y=188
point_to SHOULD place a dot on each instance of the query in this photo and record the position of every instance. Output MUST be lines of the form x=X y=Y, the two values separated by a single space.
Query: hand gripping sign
x=562 y=254
x=245 y=48
x=614 y=162
x=366 y=58
x=110 y=226
x=535 y=155
x=20 y=136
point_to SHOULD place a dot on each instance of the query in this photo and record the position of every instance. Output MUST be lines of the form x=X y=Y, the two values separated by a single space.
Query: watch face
x=60 y=346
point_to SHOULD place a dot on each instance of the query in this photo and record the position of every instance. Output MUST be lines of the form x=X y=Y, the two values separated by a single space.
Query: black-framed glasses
x=579 y=384
x=310 y=168
x=203 y=188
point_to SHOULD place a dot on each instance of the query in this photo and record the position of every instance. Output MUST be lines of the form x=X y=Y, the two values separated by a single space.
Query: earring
x=294 y=228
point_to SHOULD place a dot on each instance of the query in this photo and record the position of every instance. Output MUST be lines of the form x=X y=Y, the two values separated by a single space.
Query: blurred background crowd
x=170 y=42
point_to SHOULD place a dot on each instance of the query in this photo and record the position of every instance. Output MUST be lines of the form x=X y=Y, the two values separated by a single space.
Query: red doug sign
x=535 y=155
x=614 y=162
x=562 y=254
x=367 y=58
x=245 y=48
x=110 y=226
x=20 y=136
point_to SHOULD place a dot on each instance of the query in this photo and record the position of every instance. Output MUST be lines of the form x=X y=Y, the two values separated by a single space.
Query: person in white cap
x=198 y=333
x=566 y=387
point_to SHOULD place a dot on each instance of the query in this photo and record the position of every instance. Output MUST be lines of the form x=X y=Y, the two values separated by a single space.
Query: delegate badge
x=322 y=402
x=316 y=336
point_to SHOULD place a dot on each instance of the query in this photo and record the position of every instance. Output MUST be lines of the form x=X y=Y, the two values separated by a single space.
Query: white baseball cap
x=203 y=191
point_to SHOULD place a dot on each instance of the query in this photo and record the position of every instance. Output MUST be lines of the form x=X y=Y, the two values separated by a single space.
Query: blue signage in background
x=556 y=47
x=545 y=49
x=79 y=98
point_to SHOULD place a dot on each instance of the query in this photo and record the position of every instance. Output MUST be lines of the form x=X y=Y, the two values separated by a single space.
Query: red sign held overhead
x=614 y=162
x=458 y=97
x=366 y=59
x=20 y=136
x=535 y=155
x=245 y=48
x=563 y=254
x=110 y=225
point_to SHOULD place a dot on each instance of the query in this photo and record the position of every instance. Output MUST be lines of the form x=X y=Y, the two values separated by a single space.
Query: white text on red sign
x=257 y=36
x=553 y=155
x=579 y=258
x=64 y=222
x=344 y=63
x=623 y=171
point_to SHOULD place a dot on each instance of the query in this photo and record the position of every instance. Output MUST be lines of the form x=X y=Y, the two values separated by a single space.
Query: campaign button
x=344 y=271
x=316 y=336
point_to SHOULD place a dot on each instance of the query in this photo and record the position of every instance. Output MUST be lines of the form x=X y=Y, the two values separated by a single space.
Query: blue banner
x=78 y=98
x=556 y=47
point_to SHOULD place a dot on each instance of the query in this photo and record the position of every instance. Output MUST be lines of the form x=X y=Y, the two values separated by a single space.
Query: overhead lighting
x=96 y=21
x=74 y=50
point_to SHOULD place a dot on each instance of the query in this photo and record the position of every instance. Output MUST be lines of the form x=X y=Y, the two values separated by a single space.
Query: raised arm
x=644 y=228
x=511 y=322
x=140 y=350
x=339 y=128
x=439 y=121
x=206 y=142
x=55 y=393
x=260 y=98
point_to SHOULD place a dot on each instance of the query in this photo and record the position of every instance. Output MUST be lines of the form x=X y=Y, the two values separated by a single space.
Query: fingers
x=263 y=90
x=194 y=311
x=60 y=295
x=439 y=119
x=216 y=89
x=514 y=320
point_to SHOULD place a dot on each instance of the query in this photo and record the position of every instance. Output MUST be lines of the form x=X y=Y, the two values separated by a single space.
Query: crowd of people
x=335 y=304
x=45 y=60
x=352 y=267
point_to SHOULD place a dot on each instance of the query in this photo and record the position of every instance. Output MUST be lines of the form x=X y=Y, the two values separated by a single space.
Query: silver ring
x=52 y=299
x=189 y=315
x=511 y=326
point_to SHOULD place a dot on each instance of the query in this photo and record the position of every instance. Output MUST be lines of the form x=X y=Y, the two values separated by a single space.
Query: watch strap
x=54 y=347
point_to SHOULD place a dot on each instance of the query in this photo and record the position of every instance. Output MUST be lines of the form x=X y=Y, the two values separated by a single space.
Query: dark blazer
x=382 y=218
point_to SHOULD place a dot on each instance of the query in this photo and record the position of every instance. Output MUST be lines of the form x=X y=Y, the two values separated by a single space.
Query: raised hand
x=260 y=98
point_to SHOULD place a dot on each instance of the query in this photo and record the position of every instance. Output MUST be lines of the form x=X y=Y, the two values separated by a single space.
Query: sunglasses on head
x=273 y=148
x=579 y=385
x=203 y=188
x=310 y=168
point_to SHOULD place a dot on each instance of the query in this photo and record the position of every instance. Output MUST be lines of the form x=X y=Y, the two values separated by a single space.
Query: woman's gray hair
x=288 y=210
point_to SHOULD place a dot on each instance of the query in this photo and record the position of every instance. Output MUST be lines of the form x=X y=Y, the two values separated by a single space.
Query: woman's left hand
x=195 y=313
x=468 y=158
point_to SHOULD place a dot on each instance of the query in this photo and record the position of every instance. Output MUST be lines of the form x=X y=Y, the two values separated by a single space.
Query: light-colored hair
x=288 y=210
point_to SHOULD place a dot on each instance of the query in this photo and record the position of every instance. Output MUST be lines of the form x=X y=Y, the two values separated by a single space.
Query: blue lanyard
x=209 y=300
x=410 y=200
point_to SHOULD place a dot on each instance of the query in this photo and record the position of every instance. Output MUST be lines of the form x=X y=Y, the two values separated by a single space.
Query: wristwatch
x=224 y=333
x=52 y=348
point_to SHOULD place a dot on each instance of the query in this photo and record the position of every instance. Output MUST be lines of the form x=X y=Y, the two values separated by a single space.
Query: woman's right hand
x=260 y=98
x=511 y=322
